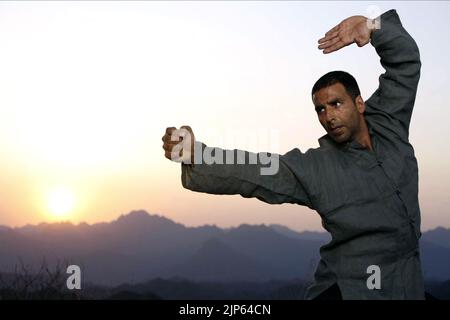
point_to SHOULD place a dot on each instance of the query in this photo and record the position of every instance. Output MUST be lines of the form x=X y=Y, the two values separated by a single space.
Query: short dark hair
x=342 y=77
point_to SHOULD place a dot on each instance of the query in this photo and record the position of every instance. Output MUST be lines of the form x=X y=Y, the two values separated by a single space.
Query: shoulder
x=313 y=159
x=385 y=126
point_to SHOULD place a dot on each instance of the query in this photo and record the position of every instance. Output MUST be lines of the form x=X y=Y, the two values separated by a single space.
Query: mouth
x=336 y=131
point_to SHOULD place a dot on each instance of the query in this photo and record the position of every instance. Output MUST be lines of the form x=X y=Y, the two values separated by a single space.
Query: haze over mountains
x=138 y=247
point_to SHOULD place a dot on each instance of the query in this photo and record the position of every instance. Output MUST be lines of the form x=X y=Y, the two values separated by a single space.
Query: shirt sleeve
x=245 y=178
x=399 y=56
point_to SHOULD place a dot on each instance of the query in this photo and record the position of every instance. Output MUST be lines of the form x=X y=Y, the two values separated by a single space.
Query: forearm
x=394 y=44
x=247 y=174
x=400 y=57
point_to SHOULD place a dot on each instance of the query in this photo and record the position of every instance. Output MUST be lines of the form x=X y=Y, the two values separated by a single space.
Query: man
x=362 y=180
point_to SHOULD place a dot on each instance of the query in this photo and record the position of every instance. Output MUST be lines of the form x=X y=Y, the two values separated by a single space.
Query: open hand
x=356 y=29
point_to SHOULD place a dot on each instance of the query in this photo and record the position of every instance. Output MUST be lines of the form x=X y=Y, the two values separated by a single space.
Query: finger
x=329 y=43
x=170 y=139
x=170 y=130
x=172 y=143
x=188 y=129
x=168 y=146
x=335 y=28
x=335 y=47
x=329 y=37
x=173 y=135
x=169 y=155
x=166 y=138
x=176 y=136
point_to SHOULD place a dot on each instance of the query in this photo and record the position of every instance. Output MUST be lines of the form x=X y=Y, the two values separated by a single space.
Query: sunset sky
x=88 y=88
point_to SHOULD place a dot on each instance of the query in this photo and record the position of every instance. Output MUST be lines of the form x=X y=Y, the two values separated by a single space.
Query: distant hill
x=439 y=236
x=305 y=235
x=138 y=246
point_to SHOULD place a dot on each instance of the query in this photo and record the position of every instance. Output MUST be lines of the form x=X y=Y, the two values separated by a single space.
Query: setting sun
x=60 y=203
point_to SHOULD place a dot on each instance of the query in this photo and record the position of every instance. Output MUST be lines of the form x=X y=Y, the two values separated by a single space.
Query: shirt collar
x=326 y=140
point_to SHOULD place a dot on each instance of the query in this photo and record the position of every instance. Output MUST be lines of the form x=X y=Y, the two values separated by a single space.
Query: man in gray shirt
x=362 y=180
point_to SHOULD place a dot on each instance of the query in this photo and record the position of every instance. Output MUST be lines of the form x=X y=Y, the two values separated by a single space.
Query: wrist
x=373 y=24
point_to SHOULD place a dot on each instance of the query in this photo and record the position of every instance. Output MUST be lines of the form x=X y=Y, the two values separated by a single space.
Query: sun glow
x=61 y=203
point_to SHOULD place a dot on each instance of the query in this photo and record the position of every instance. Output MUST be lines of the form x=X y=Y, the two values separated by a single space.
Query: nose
x=329 y=116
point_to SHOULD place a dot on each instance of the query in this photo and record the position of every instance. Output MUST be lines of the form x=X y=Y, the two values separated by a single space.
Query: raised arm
x=399 y=56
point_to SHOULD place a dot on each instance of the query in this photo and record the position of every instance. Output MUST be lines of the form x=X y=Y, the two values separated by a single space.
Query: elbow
x=412 y=48
x=410 y=57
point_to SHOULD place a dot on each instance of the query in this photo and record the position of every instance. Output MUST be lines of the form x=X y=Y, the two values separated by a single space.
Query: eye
x=320 y=109
x=338 y=104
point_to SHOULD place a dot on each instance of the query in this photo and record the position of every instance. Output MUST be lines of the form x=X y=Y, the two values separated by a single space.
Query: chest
x=358 y=176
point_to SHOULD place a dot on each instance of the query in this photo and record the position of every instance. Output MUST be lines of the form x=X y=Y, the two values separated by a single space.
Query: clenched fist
x=179 y=144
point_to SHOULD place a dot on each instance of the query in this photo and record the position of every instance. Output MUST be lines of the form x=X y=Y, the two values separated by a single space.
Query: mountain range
x=139 y=246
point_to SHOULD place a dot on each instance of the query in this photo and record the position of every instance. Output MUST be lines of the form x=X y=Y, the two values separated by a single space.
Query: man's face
x=337 y=112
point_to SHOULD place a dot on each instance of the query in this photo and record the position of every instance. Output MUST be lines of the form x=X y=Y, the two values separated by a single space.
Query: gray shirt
x=368 y=200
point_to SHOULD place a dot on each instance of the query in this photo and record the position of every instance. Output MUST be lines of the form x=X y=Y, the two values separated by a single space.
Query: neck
x=363 y=136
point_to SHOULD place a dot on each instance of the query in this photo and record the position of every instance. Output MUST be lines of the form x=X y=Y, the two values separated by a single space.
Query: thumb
x=189 y=129
x=362 y=42
x=188 y=137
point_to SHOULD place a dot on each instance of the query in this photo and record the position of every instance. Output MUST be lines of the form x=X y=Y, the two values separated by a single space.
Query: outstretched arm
x=245 y=178
x=264 y=176
x=399 y=56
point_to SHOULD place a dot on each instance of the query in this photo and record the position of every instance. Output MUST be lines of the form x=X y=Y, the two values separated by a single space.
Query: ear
x=360 y=105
